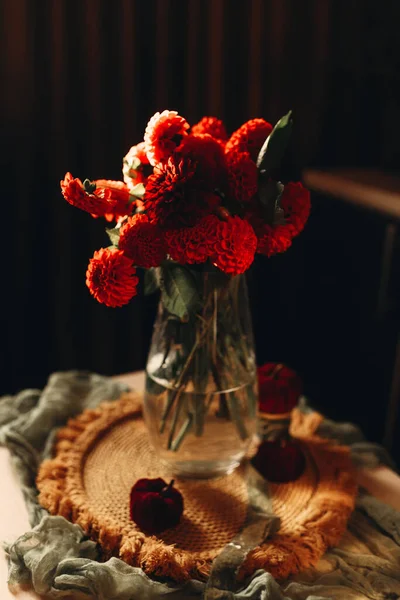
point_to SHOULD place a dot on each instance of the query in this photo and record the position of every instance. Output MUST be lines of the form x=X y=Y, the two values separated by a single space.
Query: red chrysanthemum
x=235 y=246
x=117 y=192
x=98 y=205
x=212 y=126
x=208 y=156
x=249 y=137
x=136 y=167
x=242 y=176
x=173 y=199
x=142 y=241
x=193 y=245
x=296 y=205
x=274 y=240
x=164 y=132
x=111 y=277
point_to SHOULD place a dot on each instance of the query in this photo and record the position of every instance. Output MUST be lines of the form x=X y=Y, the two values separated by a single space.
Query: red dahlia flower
x=235 y=246
x=212 y=126
x=111 y=277
x=208 y=156
x=136 y=167
x=172 y=199
x=242 y=176
x=98 y=205
x=164 y=132
x=274 y=240
x=249 y=137
x=142 y=241
x=116 y=191
x=193 y=245
x=296 y=204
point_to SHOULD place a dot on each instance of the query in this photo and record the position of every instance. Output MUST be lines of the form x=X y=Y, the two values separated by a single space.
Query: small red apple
x=155 y=505
x=279 y=388
x=280 y=461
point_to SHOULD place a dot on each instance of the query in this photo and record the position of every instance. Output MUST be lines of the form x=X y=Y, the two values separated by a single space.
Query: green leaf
x=132 y=165
x=113 y=234
x=151 y=283
x=138 y=191
x=179 y=292
x=269 y=193
x=274 y=147
x=89 y=186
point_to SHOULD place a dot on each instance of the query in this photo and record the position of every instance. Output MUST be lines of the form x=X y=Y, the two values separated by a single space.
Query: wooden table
x=382 y=482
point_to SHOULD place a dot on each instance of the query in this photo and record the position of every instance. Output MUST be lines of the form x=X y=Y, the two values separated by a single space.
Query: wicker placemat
x=100 y=454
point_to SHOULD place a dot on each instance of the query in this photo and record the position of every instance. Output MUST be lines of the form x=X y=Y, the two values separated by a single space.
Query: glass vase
x=200 y=401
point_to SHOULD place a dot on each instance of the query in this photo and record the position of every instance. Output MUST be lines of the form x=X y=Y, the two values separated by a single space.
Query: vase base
x=201 y=469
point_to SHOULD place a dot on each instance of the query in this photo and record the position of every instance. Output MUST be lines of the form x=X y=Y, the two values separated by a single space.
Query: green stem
x=178 y=385
x=180 y=401
x=234 y=411
x=185 y=370
x=223 y=412
x=235 y=348
x=167 y=410
x=182 y=433
x=178 y=389
x=198 y=414
x=188 y=423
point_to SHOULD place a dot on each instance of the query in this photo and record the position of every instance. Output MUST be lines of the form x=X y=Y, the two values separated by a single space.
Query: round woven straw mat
x=100 y=454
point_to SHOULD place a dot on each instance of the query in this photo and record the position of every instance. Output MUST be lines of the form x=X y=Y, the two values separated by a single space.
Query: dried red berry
x=280 y=461
x=155 y=505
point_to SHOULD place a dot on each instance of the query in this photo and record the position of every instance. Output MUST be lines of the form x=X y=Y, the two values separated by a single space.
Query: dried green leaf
x=138 y=191
x=113 y=234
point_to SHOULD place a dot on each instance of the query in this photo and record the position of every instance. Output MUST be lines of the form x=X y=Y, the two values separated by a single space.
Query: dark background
x=79 y=81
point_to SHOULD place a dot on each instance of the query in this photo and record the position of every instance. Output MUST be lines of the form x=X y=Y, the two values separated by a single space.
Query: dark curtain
x=80 y=79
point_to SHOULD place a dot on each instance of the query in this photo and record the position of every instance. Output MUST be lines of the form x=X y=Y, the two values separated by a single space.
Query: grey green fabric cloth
x=56 y=559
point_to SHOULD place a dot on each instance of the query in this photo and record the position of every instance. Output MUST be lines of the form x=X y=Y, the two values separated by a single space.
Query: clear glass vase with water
x=200 y=400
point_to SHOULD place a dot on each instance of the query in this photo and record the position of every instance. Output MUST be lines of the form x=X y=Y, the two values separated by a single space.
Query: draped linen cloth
x=56 y=559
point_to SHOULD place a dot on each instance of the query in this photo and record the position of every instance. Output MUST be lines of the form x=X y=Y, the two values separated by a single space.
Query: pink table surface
x=381 y=482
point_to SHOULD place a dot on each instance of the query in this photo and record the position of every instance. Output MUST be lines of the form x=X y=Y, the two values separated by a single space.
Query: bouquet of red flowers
x=191 y=196
x=193 y=210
